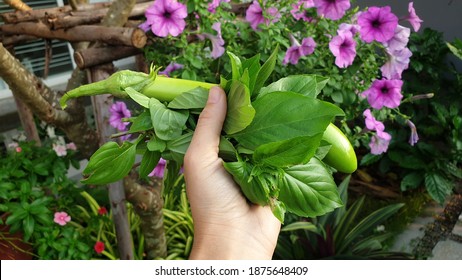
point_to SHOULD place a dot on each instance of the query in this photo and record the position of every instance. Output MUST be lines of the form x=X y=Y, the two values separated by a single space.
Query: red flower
x=102 y=211
x=99 y=247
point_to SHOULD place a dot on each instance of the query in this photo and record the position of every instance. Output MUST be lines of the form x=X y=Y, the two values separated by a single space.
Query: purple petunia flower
x=414 y=138
x=119 y=111
x=159 y=170
x=332 y=9
x=379 y=144
x=399 y=40
x=214 y=5
x=353 y=28
x=413 y=19
x=384 y=93
x=377 y=24
x=217 y=41
x=398 y=61
x=255 y=15
x=170 y=68
x=299 y=10
x=343 y=47
x=298 y=50
x=165 y=17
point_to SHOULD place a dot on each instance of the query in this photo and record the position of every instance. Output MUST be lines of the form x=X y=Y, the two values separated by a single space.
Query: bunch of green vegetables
x=277 y=141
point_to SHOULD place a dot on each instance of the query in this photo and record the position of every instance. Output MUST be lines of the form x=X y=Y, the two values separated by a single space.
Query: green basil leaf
x=148 y=162
x=240 y=111
x=308 y=85
x=138 y=97
x=141 y=123
x=180 y=144
x=168 y=124
x=285 y=153
x=156 y=144
x=279 y=209
x=253 y=66
x=309 y=190
x=255 y=190
x=236 y=66
x=28 y=225
x=265 y=71
x=193 y=99
x=110 y=163
x=226 y=150
x=285 y=115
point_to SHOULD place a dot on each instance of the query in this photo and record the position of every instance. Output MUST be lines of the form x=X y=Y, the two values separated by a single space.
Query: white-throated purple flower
x=217 y=41
x=399 y=40
x=377 y=23
x=384 y=93
x=118 y=112
x=412 y=18
x=398 y=61
x=165 y=17
x=255 y=15
x=332 y=9
x=379 y=144
x=414 y=138
x=298 y=50
x=343 y=47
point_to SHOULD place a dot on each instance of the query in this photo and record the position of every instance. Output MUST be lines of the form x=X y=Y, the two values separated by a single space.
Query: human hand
x=226 y=225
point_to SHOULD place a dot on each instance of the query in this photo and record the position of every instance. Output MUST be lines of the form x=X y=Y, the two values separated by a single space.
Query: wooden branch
x=86 y=10
x=96 y=56
x=111 y=35
x=12 y=40
x=17 y=5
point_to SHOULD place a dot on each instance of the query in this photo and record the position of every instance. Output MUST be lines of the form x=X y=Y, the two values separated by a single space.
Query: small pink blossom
x=71 y=146
x=159 y=169
x=165 y=17
x=398 y=61
x=99 y=247
x=214 y=5
x=332 y=9
x=343 y=47
x=217 y=40
x=414 y=138
x=379 y=144
x=297 y=50
x=255 y=15
x=377 y=24
x=413 y=19
x=299 y=10
x=399 y=40
x=18 y=149
x=384 y=93
x=173 y=66
x=62 y=218
x=60 y=150
x=118 y=112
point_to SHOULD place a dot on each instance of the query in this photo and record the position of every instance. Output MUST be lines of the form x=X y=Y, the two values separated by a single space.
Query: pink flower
x=173 y=66
x=398 y=61
x=399 y=40
x=414 y=136
x=255 y=16
x=102 y=211
x=217 y=41
x=119 y=111
x=377 y=24
x=62 y=218
x=296 y=51
x=379 y=144
x=60 y=150
x=18 y=149
x=159 y=169
x=413 y=19
x=332 y=9
x=353 y=28
x=214 y=5
x=165 y=17
x=299 y=10
x=384 y=93
x=99 y=247
x=71 y=146
x=343 y=47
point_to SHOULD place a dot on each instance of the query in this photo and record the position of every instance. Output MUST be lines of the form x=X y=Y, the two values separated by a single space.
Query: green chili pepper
x=341 y=155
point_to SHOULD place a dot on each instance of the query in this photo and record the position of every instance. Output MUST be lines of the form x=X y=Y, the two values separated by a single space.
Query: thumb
x=207 y=134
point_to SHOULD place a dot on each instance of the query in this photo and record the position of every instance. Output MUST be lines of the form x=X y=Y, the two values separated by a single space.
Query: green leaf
x=252 y=187
x=278 y=208
x=295 y=151
x=110 y=163
x=180 y=144
x=226 y=150
x=240 y=111
x=193 y=99
x=236 y=66
x=437 y=186
x=141 y=123
x=346 y=222
x=148 y=162
x=309 y=190
x=265 y=71
x=28 y=226
x=301 y=226
x=17 y=214
x=138 y=97
x=253 y=66
x=168 y=124
x=411 y=181
x=285 y=115
x=156 y=144
x=369 y=223
x=308 y=85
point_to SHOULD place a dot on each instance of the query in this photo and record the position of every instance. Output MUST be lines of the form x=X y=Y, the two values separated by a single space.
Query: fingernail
x=214 y=95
